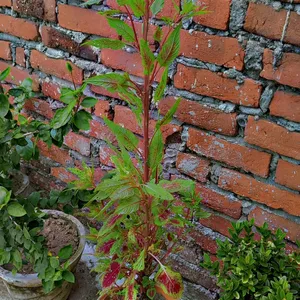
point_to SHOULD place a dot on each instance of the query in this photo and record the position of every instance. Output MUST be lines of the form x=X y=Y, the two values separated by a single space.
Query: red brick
x=102 y=91
x=215 y=85
x=78 y=143
x=63 y=175
x=215 y=49
x=217 y=223
x=102 y=109
x=193 y=166
x=288 y=72
x=286 y=105
x=51 y=90
x=219 y=202
x=266 y=21
x=235 y=155
x=42 y=9
x=291 y=228
x=206 y=242
x=39 y=106
x=20 y=56
x=169 y=9
x=17 y=75
x=59 y=155
x=125 y=117
x=202 y=116
x=105 y=154
x=271 y=136
x=84 y=20
x=22 y=28
x=288 y=174
x=54 y=38
x=56 y=67
x=5 y=2
x=5 y=51
x=100 y=131
x=125 y=61
x=218 y=16
x=267 y=194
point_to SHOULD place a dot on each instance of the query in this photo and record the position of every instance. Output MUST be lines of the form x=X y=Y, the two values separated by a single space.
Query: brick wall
x=237 y=131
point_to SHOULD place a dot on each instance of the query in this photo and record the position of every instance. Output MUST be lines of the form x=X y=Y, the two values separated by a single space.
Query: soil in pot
x=58 y=233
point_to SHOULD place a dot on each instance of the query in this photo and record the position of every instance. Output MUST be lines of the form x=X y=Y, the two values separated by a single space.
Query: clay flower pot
x=25 y=287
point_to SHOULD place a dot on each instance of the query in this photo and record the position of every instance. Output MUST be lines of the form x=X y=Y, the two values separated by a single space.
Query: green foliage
x=255 y=268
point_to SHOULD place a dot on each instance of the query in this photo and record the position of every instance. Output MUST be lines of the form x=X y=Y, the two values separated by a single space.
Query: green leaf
x=4 y=196
x=159 y=92
x=106 y=43
x=54 y=262
x=63 y=115
x=139 y=265
x=15 y=209
x=69 y=67
x=170 y=49
x=27 y=151
x=128 y=206
x=67 y=95
x=157 y=6
x=148 y=57
x=68 y=276
x=89 y=102
x=125 y=137
x=82 y=120
x=157 y=191
x=122 y=29
x=65 y=252
x=138 y=7
x=4 y=74
x=4 y=105
x=169 y=115
x=158 y=34
x=156 y=150
x=90 y=2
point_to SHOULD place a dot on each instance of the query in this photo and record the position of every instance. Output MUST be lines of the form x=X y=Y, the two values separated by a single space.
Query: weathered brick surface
x=260 y=20
x=290 y=228
x=193 y=166
x=248 y=159
x=42 y=9
x=267 y=194
x=5 y=2
x=62 y=174
x=271 y=136
x=19 y=27
x=219 y=14
x=217 y=223
x=51 y=90
x=39 y=106
x=208 y=83
x=5 y=52
x=20 y=57
x=78 y=143
x=211 y=48
x=288 y=71
x=288 y=174
x=201 y=116
x=286 y=105
x=56 y=67
x=86 y=20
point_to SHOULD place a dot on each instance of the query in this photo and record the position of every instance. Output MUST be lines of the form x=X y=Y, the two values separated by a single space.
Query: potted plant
x=143 y=215
x=38 y=249
x=255 y=267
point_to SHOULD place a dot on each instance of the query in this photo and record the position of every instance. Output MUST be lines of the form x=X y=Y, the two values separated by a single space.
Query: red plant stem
x=133 y=28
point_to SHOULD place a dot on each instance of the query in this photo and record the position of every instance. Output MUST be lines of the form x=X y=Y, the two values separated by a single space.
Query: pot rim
x=32 y=280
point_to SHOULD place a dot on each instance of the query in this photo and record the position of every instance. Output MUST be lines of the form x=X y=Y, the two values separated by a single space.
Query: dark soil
x=58 y=233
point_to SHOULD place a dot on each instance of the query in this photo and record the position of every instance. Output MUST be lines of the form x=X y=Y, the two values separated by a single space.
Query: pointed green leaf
x=148 y=57
x=82 y=120
x=68 y=276
x=158 y=34
x=122 y=29
x=139 y=265
x=125 y=137
x=4 y=74
x=156 y=151
x=159 y=92
x=89 y=102
x=170 y=49
x=4 y=105
x=169 y=115
x=157 y=191
x=106 y=43
x=65 y=252
x=63 y=115
x=138 y=7
x=157 y=6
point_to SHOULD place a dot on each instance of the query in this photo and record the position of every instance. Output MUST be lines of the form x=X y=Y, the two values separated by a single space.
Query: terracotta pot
x=29 y=287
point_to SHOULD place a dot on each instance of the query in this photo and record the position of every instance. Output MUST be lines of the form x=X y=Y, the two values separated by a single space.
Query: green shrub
x=255 y=268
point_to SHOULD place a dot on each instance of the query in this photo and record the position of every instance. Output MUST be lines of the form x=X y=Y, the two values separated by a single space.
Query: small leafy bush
x=255 y=268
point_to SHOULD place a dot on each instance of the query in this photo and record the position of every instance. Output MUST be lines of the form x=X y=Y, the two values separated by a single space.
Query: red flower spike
x=112 y=275
x=169 y=282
